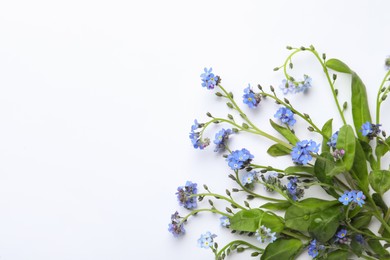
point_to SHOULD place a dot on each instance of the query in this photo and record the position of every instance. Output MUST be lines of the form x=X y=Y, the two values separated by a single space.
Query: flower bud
x=228 y=192
x=235 y=190
x=334 y=76
x=229 y=210
x=288 y=47
x=211 y=203
x=209 y=114
x=218 y=94
x=290 y=65
x=230 y=116
x=272 y=88
x=231 y=94
x=205 y=187
x=246 y=204
x=286 y=100
x=230 y=105
x=311 y=129
x=345 y=105
x=384 y=97
x=336 y=91
x=324 y=56
x=260 y=87
x=276 y=69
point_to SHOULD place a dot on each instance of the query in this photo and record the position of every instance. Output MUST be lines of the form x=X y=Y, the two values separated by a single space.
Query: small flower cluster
x=195 y=137
x=294 y=191
x=315 y=248
x=289 y=86
x=286 y=116
x=265 y=235
x=209 y=80
x=333 y=140
x=251 y=98
x=221 y=138
x=355 y=197
x=387 y=63
x=184 y=195
x=341 y=237
x=206 y=240
x=239 y=159
x=301 y=152
x=271 y=179
x=176 y=226
x=370 y=130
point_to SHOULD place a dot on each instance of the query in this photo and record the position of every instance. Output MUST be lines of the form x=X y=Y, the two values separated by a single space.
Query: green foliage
x=278 y=150
x=285 y=249
x=285 y=132
x=327 y=131
x=276 y=205
x=380 y=181
x=325 y=224
x=346 y=141
x=251 y=220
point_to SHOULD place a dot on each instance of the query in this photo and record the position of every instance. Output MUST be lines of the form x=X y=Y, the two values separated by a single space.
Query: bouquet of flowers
x=344 y=160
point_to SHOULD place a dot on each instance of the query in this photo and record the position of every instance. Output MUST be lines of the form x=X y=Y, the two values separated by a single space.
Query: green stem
x=253 y=193
x=217 y=196
x=299 y=236
x=260 y=132
x=238 y=242
x=297 y=113
x=378 y=98
x=387 y=217
x=203 y=210
x=268 y=168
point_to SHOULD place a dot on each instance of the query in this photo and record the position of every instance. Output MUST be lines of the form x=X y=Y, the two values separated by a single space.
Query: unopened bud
x=246 y=204
x=231 y=94
x=272 y=88
x=233 y=206
x=336 y=91
x=303 y=48
x=383 y=133
x=290 y=65
x=384 y=97
x=211 y=203
x=235 y=190
x=250 y=197
x=235 y=130
x=311 y=129
x=229 y=210
x=288 y=47
x=334 y=76
x=231 y=176
x=306 y=115
x=255 y=254
x=205 y=187
x=230 y=105
x=228 y=192
x=345 y=105
x=230 y=116
x=240 y=249
x=286 y=100
x=215 y=245
x=245 y=126
x=324 y=56
x=276 y=69
x=219 y=94
x=259 y=86
x=312 y=47
x=209 y=114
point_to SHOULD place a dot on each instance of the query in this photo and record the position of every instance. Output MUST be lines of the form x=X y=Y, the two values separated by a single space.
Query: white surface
x=97 y=98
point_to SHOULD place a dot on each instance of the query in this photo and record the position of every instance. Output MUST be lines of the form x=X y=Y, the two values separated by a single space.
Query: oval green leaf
x=380 y=181
x=285 y=249
x=346 y=141
x=337 y=65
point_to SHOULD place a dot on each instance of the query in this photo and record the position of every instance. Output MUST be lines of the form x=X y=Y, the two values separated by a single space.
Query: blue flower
x=264 y=235
x=333 y=140
x=206 y=240
x=225 y=221
x=209 y=80
x=184 y=195
x=251 y=98
x=239 y=159
x=341 y=237
x=221 y=138
x=286 y=116
x=176 y=226
x=287 y=87
x=196 y=125
x=359 y=238
x=370 y=130
x=356 y=197
x=342 y=233
x=301 y=152
x=293 y=190
x=248 y=178
x=314 y=248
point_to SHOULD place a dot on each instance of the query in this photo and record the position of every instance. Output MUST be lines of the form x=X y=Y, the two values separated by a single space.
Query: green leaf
x=338 y=255
x=250 y=220
x=383 y=148
x=360 y=108
x=359 y=167
x=327 y=131
x=380 y=203
x=380 y=181
x=285 y=132
x=361 y=221
x=300 y=215
x=276 y=205
x=337 y=65
x=246 y=220
x=337 y=170
x=376 y=246
x=299 y=169
x=272 y=221
x=278 y=150
x=285 y=249
x=356 y=247
x=325 y=225
x=346 y=141
x=322 y=166
x=369 y=156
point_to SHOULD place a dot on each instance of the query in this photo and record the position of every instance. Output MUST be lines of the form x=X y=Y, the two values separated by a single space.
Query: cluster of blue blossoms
x=288 y=86
x=176 y=226
x=221 y=138
x=265 y=235
x=251 y=98
x=209 y=80
x=239 y=159
x=286 y=116
x=195 y=137
x=294 y=191
x=315 y=248
x=184 y=195
x=353 y=196
x=370 y=130
x=206 y=240
x=301 y=152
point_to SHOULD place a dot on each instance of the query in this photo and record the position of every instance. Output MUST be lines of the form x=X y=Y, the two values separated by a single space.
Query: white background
x=97 y=99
